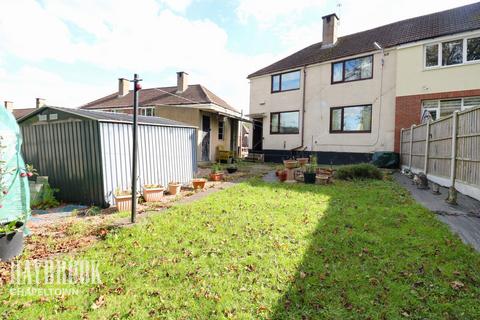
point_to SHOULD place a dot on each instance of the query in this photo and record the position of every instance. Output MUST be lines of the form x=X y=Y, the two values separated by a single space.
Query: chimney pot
x=8 y=105
x=182 y=81
x=40 y=102
x=330 y=29
x=123 y=87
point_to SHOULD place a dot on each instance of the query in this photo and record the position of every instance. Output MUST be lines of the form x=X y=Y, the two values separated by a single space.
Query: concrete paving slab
x=463 y=219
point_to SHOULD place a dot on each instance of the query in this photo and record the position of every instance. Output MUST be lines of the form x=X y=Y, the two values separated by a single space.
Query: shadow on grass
x=375 y=253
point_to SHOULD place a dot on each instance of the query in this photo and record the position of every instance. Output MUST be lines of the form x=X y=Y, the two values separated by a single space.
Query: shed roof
x=457 y=20
x=103 y=116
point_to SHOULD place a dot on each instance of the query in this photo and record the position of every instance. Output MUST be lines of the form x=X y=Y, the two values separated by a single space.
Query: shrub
x=358 y=171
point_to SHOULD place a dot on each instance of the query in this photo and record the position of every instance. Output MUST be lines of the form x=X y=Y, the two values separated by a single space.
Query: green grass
x=354 y=250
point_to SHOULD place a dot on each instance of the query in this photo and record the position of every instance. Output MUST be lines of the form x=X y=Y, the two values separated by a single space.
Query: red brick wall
x=408 y=108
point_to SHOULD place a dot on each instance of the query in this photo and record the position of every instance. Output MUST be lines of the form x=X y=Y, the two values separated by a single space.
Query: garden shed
x=87 y=155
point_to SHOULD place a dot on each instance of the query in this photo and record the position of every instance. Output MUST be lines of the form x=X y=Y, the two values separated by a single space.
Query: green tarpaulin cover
x=14 y=189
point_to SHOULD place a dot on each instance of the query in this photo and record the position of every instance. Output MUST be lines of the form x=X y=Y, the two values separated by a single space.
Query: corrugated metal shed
x=87 y=154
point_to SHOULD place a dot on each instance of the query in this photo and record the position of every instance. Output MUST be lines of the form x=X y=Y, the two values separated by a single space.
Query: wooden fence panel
x=440 y=147
x=468 y=147
x=429 y=148
x=418 y=146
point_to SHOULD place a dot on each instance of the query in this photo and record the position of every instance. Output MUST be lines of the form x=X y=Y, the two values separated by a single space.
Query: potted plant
x=11 y=239
x=216 y=172
x=278 y=170
x=310 y=173
x=153 y=192
x=232 y=168
x=123 y=200
x=199 y=183
x=174 y=187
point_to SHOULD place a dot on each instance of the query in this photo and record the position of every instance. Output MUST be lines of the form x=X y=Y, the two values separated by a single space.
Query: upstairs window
x=284 y=122
x=352 y=69
x=286 y=81
x=453 y=52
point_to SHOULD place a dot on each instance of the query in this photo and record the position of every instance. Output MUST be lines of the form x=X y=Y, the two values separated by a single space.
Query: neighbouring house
x=193 y=104
x=19 y=113
x=347 y=97
x=87 y=154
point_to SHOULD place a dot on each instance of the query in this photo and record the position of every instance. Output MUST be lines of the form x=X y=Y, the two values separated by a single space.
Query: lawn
x=351 y=250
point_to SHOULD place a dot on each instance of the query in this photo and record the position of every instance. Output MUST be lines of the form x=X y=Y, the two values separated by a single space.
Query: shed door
x=206 y=138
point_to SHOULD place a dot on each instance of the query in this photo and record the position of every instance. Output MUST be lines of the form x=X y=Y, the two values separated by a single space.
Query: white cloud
x=28 y=83
x=128 y=36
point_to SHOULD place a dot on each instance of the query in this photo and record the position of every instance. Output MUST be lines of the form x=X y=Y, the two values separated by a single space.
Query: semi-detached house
x=347 y=97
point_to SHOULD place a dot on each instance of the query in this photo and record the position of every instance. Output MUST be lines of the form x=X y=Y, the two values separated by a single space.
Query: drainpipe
x=303 y=109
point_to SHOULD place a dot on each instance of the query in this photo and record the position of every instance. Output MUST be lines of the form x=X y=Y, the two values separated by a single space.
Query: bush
x=358 y=171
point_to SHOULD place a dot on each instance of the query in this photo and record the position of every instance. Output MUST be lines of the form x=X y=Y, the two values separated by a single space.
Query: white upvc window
x=452 y=52
x=436 y=109
x=148 y=111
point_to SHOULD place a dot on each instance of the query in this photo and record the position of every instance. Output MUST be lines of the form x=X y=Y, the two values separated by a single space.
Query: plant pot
x=282 y=176
x=232 y=170
x=218 y=176
x=309 y=177
x=302 y=161
x=174 y=188
x=153 y=194
x=11 y=244
x=123 y=203
x=290 y=164
x=199 y=183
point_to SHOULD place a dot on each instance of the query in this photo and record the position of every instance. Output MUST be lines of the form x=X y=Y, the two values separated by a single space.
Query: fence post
x=411 y=147
x=427 y=143
x=452 y=193
x=401 y=147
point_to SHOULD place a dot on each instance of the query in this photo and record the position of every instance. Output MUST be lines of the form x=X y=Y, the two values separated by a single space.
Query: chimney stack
x=330 y=29
x=8 y=105
x=123 y=87
x=40 y=102
x=182 y=81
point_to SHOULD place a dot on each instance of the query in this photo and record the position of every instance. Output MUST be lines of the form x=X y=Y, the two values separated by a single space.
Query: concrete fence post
x=452 y=192
x=411 y=147
x=427 y=146
x=401 y=147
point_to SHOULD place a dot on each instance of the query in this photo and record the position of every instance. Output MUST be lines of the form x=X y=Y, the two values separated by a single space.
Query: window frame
x=279 y=116
x=143 y=111
x=439 y=45
x=341 y=120
x=280 y=81
x=221 y=132
x=438 y=109
x=343 y=69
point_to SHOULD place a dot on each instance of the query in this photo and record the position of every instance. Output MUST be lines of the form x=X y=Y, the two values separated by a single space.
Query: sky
x=72 y=52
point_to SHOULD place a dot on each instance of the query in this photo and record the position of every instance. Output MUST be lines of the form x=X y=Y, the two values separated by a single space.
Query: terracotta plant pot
x=302 y=161
x=153 y=194
x=123 y=203
x=218 y=176
x=199 y=183
x=282 y=176
x=174 y=188
x=290 y=164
